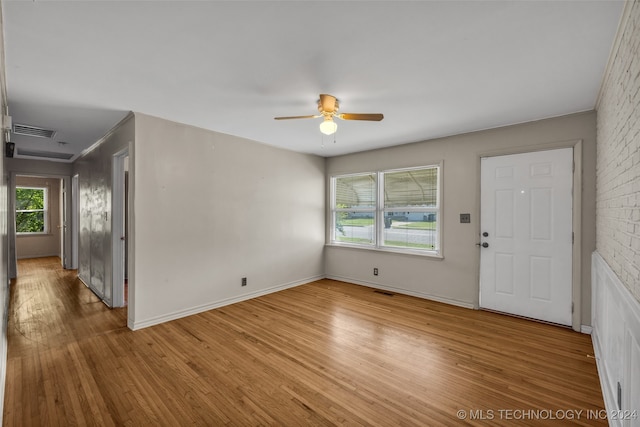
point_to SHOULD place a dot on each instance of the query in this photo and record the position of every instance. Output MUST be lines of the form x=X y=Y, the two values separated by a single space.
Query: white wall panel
x=616 y=334
x=633 y=368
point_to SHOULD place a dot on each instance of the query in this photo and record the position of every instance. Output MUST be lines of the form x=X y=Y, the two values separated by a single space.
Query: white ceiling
x=434 y=68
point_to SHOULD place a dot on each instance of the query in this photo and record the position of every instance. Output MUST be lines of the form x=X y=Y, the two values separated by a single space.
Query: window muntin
x=396 y=210
x=31 y=210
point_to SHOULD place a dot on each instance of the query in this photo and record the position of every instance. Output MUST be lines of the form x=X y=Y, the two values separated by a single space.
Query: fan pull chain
x=322 y=140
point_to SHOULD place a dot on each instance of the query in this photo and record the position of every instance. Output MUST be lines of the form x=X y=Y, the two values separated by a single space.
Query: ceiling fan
x=328 y=106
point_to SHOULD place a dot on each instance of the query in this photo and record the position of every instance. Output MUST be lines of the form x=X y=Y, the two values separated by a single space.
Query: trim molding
x=616 y=340
x=403 y=291
x=109 y=133
x=135 y=325
x=584 y=329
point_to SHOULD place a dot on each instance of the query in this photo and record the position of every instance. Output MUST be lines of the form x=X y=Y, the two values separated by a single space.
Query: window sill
x=426 y=254
x=33 y=234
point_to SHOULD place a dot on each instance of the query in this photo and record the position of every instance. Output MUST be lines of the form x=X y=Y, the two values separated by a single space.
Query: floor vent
x=44 y=154
x=27 y=130
x=389 y=294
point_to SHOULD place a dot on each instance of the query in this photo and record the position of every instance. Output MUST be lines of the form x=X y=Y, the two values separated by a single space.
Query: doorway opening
x=38 y=212
x=526 y=258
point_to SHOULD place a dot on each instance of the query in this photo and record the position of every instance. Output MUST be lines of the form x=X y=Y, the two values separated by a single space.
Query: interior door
x=527 y=239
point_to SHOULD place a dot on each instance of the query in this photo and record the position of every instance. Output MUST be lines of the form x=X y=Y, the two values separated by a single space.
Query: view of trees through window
x=30 y=210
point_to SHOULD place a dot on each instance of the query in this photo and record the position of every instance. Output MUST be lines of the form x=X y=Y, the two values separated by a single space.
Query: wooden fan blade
x=354 y=116
x=327 y=103
x=296 y=117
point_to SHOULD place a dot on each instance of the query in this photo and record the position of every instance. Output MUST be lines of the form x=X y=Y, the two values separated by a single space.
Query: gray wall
x=94 y=171
x=38 y=167
x=454 y=279
x=48 y=244
x=211 y=208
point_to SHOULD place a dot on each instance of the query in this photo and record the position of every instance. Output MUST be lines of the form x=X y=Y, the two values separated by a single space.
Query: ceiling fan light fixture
x=328 y=126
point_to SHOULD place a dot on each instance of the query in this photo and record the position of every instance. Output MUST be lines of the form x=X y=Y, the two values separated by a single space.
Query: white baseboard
x=31 y=256
x=403 y=291
x=586 y=329
x=83 y=281
x=135 y=325
x=615 y=320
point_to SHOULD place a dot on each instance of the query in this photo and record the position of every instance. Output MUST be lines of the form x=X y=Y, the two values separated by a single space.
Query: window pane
x=30 y=222
x=29 y=198
x=355 y=227
x=412 y=188
x=356 y=191
x=415 y=230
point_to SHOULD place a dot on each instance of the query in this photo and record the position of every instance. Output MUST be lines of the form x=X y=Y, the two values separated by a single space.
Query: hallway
x=52 y=316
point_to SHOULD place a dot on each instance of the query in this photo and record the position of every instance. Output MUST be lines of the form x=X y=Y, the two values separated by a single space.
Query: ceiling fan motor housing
x=328 y=111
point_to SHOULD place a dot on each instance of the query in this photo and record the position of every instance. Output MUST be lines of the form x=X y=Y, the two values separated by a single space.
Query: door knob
x=485 y=234
x=483 y=244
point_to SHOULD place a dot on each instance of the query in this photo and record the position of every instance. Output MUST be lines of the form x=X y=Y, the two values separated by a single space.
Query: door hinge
x=571 y=308
x=573 y=237
x=573 y=167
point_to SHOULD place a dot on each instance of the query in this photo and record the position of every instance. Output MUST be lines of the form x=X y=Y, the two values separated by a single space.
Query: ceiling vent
x=44 y=154
x=27 y=130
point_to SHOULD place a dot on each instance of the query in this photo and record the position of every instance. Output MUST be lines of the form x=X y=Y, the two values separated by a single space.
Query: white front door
x=526 y=226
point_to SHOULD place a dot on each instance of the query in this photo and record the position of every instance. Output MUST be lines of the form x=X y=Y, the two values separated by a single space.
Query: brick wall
x=618 y=158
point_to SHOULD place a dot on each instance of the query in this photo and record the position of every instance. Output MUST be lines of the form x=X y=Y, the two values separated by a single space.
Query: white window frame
x=379 y=214
x=45 y=211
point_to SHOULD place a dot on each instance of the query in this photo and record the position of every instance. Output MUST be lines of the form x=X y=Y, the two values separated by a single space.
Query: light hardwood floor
x=325 y=353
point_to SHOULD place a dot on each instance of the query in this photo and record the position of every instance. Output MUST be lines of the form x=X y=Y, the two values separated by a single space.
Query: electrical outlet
x=375 y=271
x=465 y=218
x=244 y=281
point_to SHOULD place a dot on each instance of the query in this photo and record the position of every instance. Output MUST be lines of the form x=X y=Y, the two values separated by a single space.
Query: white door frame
x=75 y=218
x=64 y=223
x=117 y=227
x=576 y=293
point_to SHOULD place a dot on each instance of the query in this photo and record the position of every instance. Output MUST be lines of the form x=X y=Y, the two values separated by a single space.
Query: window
x=396 y=210
x=31 y=212
x=355 y=209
